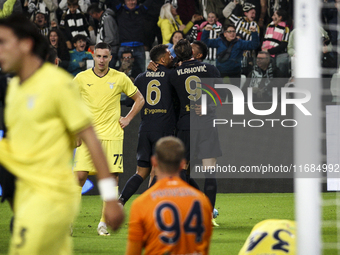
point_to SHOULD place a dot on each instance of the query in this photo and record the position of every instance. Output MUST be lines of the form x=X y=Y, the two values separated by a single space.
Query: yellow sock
x=102 y=219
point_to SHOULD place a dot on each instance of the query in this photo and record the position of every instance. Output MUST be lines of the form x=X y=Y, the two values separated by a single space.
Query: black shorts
x=7 y=182
x=205 y=143
x=146 y=146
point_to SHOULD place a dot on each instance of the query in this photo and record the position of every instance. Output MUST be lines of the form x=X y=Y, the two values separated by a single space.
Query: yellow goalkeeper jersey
x=42 y=116
x=102 y=96
x=274 y=237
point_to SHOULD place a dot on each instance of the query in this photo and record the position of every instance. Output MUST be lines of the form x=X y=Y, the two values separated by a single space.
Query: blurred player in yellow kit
x=274 y=237
x=43 y=114
x=171 y=217
x=101 y=88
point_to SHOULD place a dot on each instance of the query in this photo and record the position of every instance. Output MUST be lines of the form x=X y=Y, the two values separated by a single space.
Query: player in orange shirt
x=171 y=217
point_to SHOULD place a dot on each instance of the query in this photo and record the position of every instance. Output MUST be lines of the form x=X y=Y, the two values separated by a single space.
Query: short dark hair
x=183 y=50
x=127 y=52
x=102 y=45
x=169 y=152
x=227 y=26
x=265 y=53
x=94 y=8
x=202 y=47
x=23 y=28
x=72 y=2
x=282 y=13
x=79 y=37
x=173 y=34
x=52 y=55
x=157 y=52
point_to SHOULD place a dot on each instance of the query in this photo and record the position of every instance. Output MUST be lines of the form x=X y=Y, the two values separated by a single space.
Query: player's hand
x=114 y=214
x=208 y=27
x=124 y=122
x=198 y=109
x=152 y=66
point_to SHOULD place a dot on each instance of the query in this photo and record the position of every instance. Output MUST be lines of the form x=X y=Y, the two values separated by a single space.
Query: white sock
x=101 y=224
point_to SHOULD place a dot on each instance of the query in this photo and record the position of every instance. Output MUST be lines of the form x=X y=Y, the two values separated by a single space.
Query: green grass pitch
x=238 y=214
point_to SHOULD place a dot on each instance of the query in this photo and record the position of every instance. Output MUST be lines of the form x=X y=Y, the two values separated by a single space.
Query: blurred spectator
x=275 y=5
x=230 y=49
x=214 y=33
x=47 y=7
x=7 y=7
x=126 y=67
x=276 y=40
x=242 y=24
x=151 y=30
x=176 y=36
x=107 y=30
x=78 y=56
x=327 y=45
x=57 y=40
x=83 y=5
x=73 y=22
x=131 y=17
x=169 y=22
x=41 y=22
x=277 y=34
x=261 y=79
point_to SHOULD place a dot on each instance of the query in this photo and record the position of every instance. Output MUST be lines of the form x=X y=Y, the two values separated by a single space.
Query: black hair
x=127 y=52
x=79 y=37
x=227 y=26
x=62 y=46
x=202 y=47
x=282 y=13
x=102 y=45
x=72 y=2
x=157 y=52
x=183 y=50
x=173 y=34
x=52 y=54
x=94 y=8
x=23 y=28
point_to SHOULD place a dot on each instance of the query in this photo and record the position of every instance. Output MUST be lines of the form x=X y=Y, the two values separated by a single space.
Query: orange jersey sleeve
x=172 y=218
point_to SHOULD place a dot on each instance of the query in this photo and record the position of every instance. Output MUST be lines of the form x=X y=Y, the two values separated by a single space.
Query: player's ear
x=154 y=162
x=183 y=164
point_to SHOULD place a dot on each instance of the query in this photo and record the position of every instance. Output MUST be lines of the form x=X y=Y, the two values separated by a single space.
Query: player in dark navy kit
x=188 y=81
x=158 y=116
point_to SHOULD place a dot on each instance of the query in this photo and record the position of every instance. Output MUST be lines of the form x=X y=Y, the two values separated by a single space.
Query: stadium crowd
x=135 y=26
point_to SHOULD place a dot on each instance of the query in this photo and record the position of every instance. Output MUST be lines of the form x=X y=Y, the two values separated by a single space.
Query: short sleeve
x=71 y=108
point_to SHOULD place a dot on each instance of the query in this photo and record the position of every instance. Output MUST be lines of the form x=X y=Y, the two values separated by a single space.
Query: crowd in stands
x=234 y=31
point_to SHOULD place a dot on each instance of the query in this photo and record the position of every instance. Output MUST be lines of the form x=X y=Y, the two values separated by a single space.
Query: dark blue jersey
x=158 y=111
x=188 y=80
